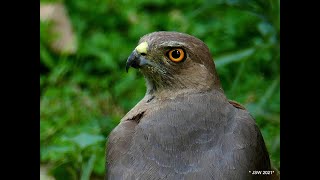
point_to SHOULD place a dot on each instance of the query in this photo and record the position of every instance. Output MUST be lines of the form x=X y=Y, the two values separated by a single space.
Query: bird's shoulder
x=120 y=138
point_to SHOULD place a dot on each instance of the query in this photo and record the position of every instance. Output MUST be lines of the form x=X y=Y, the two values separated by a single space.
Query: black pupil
x=175 y=54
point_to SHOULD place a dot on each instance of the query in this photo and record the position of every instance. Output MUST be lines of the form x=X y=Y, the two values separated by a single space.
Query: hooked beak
x=135 y=60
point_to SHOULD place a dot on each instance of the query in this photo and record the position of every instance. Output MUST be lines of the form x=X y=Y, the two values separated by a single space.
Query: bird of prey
x=184 y=127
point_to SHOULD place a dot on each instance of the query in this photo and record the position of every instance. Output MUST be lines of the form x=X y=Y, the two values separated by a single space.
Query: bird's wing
x=246 y=130
x=194 y=137
x=119 y=141
x=249 y=151
x=117 y=146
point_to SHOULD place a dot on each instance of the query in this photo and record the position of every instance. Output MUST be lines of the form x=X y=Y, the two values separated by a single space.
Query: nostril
x=143 y=54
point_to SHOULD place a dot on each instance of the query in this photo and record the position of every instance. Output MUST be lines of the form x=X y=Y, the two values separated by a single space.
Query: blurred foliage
x=83 y=96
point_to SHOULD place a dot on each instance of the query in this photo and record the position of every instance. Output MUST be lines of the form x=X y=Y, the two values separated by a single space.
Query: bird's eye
x=176 y=55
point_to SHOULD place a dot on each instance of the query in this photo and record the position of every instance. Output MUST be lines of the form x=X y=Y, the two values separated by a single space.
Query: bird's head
x=173 y=61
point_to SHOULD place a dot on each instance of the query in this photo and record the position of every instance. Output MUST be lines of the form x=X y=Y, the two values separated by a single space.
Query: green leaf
x=266 y=28
x=84 y=140
x=55 y=152
x=45 y=57
x=233 y=57
x=87 y=168
x=269 y=92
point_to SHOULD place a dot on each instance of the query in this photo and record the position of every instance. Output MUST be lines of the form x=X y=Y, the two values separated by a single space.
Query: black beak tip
x=133 y=61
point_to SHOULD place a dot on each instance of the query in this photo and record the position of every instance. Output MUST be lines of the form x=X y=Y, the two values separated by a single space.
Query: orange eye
x=176 y=55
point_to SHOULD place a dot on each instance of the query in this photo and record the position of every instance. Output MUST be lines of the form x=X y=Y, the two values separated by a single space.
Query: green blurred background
x=83 y=95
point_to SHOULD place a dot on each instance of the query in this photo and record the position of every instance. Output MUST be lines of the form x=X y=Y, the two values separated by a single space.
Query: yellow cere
x=142 y=48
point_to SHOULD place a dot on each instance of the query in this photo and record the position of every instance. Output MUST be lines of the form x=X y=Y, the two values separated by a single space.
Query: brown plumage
x=184 y=127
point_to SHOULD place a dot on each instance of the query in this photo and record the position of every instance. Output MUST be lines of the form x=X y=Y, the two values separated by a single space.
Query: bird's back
x=176 y=139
